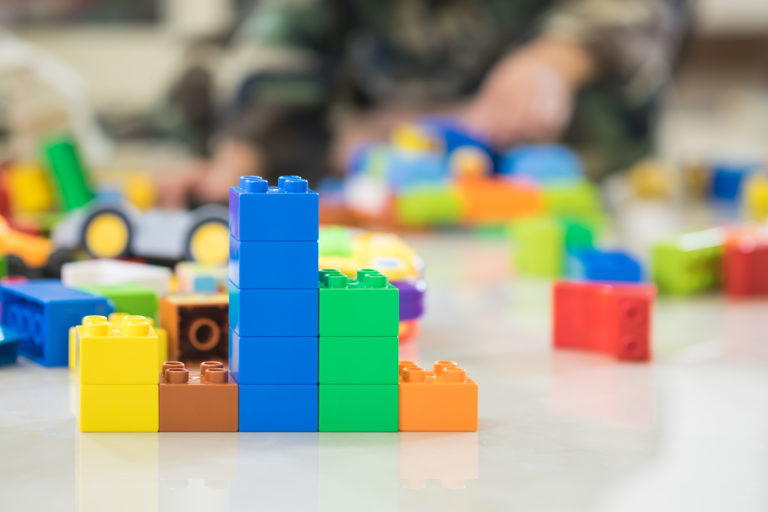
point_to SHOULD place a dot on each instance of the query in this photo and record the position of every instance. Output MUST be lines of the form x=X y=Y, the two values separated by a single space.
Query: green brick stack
x=358 y=352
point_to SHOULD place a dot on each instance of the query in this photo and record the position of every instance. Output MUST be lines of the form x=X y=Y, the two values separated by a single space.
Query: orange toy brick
x=611 y=318
x=202 y=403
x=495 y=199
x=197 y=325
x=444 y=399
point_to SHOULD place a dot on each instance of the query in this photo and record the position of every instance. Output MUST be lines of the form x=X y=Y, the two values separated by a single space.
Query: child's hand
x=529 y=94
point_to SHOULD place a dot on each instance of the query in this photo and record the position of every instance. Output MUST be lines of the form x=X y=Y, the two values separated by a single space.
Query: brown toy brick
x=197 y=325
x=197 y=403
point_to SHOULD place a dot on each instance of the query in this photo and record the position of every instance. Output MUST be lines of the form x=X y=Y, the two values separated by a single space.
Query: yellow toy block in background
x=112 y=353
x=119 y=408
x=29 y=188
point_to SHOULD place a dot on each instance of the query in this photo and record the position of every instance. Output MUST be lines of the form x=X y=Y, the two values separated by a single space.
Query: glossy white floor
x=559 y=431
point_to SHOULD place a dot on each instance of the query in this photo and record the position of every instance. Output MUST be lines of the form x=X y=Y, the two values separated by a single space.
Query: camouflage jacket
x=306 y=55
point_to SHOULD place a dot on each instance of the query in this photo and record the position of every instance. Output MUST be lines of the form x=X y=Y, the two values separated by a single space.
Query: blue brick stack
x=273 y=303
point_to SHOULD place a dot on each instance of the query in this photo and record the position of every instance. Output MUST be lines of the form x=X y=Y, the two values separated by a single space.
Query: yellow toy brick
x=29 y=188
x=110 y=353
x=755 y=198
x=119 y=408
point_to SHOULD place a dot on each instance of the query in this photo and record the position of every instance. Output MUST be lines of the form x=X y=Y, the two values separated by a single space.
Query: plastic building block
x=132 y=299
x=194 y=277
x=68 y=172
x=539 y=247
x=118 y=408
x=429 y=205
x=280 y=265
x=273 y=312
x=578 y=201
x=42 y=312
x=118 y=375
x=755 y=198
x=358 y=408
x=206 y=402
x=113 y=272
x=29 y=189
x=109 y=353
x=197 y=326
x=411 y=299
x=728 y=179
x=278 y=408
x=335 y=241
x=358 y=360
x=9 y=346
x=745 y=264
x=689 y=264
x=288 y=212
x=444 y=399
x=611 y=318
x=601 y=265
x=496 y=200
x=366 y=307
x=542 y=163
x=273 y=360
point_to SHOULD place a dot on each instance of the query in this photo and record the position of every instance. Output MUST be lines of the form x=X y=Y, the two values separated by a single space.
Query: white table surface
x=559 y=431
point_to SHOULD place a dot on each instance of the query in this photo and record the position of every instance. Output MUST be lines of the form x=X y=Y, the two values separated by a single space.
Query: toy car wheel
x=55 y=261
x=106 y=234
x=17 y=267
x=208 y=242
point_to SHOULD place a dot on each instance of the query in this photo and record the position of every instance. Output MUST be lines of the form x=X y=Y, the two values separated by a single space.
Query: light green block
x=133 y=299
x=368 y=306
x=429 y=206
x=335 y=241
x=539 y=247
x=358 y=408
x=579 y=201
x=689 y=264
x=358 y=360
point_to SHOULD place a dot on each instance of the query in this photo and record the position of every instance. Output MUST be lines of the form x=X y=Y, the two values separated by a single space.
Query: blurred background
x=128 y=54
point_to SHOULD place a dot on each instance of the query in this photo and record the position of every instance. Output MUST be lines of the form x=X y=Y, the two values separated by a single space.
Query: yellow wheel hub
x=107 y=236
x=210 y=243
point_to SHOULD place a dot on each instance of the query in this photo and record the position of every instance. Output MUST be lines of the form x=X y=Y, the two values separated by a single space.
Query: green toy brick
x=335 y=241
x=578 y=235
x=579 y=200
x=358 y=408
x=67 y=168
x=368 y=306
x=3 y=265
x=358 y=360
x=429 y=206
x=689 y=264
x=539 y=247
x=134 y=299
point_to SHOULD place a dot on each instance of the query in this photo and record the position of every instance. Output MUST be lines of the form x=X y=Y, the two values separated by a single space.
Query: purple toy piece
x=411 y=299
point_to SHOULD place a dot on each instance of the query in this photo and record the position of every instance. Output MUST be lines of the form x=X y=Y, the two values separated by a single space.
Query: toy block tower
x=358 y=328
x=273 y=303
x=118 y=366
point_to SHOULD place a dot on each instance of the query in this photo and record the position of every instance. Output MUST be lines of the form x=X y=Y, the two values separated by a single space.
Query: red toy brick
x=745 y=264
x=604 y=317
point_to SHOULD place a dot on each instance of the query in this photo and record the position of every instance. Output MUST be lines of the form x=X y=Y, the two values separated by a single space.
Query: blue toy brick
x=273 y=312
x=42 y=312
x=264 y=360
x=728 y=178
x=543 y=163
x=273 y=264
x=598 y=265
x=258 y=212
x=278 y=407
x=9 y=346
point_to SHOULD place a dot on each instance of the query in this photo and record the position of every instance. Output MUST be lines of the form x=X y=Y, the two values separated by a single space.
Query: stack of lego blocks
x=358 y=326
x=118 y=366
x=273 y=303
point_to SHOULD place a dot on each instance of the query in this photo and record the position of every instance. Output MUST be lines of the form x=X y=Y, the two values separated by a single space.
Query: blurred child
x=321 y=77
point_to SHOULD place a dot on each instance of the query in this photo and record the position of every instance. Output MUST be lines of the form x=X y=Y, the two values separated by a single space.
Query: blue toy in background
x=542 y=163
x=42 y=312
x=601 y=265
x=728 y=179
